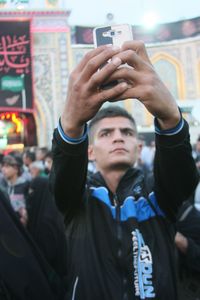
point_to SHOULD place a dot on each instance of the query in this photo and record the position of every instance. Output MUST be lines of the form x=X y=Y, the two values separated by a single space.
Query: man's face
x=48 y=163
x=115 y=144
x=26 y=160
x=198 y=146
x=9 y=171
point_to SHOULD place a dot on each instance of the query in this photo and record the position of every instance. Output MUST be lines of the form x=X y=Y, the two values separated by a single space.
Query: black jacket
x=189 y=263
x=24 y=273
x=45 y=224
x=17 y=192
x=122 y=246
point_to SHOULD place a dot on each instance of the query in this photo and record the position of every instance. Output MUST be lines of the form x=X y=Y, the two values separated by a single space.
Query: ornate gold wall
x=178 y=64
x=51 y=64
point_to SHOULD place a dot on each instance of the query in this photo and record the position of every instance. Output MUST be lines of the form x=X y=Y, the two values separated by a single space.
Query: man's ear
x=139 y=150
x=91 y=155
x=140 y=146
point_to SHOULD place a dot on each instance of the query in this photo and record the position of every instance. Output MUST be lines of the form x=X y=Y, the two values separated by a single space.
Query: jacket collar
x=131 y=184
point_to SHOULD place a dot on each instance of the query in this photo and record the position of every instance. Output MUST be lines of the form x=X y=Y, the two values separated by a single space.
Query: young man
x=120 y=244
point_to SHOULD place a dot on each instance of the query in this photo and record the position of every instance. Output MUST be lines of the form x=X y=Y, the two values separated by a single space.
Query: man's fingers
x=97 y=61
x=125 y=74
x=103 y=75
x=112 y=93
x=132 y=93
x=138 y=47
x=89 y=55
x=131 y=58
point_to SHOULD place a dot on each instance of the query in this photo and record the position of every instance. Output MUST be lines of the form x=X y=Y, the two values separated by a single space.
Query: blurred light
x=196 y=123
x=150 y=20
x=1 y=126
x=14 y=118
x=17 y=122
x=20 y=7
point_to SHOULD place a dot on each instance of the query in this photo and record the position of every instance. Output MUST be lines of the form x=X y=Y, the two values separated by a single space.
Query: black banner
x=16 y=90
x=161 y=33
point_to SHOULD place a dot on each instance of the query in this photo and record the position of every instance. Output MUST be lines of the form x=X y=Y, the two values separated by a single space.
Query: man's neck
x=112 y=179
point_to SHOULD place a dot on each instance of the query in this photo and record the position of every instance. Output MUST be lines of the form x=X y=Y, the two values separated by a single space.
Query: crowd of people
x=18 y=169
x=102 y=215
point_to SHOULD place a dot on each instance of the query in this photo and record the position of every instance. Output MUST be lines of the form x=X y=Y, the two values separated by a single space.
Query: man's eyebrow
x=107 y=129
x=127 y=128
x=131 y=129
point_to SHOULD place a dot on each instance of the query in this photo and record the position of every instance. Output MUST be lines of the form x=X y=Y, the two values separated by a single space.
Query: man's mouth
x=119 y=150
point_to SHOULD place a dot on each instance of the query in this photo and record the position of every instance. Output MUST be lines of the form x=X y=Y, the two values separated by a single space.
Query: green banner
x=11 y=83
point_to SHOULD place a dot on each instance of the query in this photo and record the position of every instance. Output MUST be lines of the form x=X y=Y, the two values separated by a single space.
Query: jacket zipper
x=74 y=288
x=119 y=229
x=119 y=238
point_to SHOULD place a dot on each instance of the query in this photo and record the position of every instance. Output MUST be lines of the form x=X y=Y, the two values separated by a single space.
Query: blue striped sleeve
x=70 y=140
x=171 y=131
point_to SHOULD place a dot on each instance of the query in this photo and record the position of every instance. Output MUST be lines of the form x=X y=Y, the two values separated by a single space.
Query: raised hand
x=145 y=84
x=85 y=97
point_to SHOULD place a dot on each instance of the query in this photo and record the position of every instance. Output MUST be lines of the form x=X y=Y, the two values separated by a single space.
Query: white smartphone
x=114 y=35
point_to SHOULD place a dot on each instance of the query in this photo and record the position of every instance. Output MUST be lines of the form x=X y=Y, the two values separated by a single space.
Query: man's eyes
x=123 y=132
x=105 y=133
x=129 y=133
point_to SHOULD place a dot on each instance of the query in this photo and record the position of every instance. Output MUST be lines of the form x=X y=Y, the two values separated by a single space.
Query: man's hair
x=49 y=154
x=109 y=112
x=15 y=160
x=30 y=154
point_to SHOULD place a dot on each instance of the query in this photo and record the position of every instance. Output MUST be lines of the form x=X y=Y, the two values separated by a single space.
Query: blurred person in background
x=1 y=160
x=45 y=225
x=147 y=155
x=37 y=168
x=40 y=153
x=15 y=185
x=28 y=157
x=196 y=153
x=187 y=240
x=197 y=197
x=48 y=160
x=24 y=272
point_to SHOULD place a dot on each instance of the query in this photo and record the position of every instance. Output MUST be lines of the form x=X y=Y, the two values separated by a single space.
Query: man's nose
x=118 y=136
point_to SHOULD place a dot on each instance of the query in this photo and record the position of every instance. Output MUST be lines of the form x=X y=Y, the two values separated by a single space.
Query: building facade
x=54 y=56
